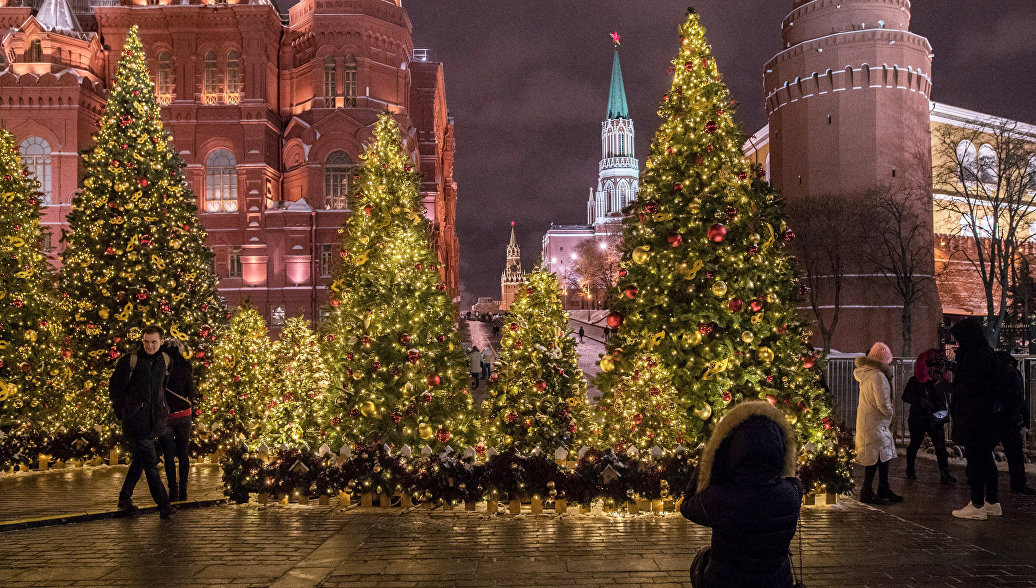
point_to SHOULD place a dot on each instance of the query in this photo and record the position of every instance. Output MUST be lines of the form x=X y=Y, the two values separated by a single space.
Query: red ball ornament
x=789 y=235
x=404 y=338
x=711 y=127
x=809 y=361
x=638 y=418
x=517 y=344
x=494 y=378
x=742 y=175
x=753 y=250
x=675 y=240
x=623 y=273
x=771 y=399
x=368 y=209
x=513 y=326
x=541 y=385
x=656 y=392
x=756 y=305
x=735 y=305
x=512 y=417
x=237 y=378
x=677 y=187
x=731 y=212
x=827 y=423
x=413 y=356
x=727 y=396
x=376 y=365
x=396 y=417
x=528 y=291
x=432 y=380
x=717 y=233
x=142 y=182
x=631 y=292
x=615 y=320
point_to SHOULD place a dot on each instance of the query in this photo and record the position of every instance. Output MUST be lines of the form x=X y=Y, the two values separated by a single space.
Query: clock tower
x=513 y=276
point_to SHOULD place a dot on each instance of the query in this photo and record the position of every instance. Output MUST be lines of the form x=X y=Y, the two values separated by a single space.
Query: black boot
x=173 y=496
x=946 y=478
x=886 y=493
x=183 y=492
x=867 y=496
x=911 y=474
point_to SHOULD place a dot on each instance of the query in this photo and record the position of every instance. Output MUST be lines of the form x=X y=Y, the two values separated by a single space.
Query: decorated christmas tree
x=33 y=357
x=540 y=390
x=240 y=391
x=135 y=253
x=390 y=336
x=299 y=410
x=708 y=288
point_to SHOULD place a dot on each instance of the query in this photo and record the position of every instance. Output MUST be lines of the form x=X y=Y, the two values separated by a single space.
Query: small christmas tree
x=33 y=370
x=540 y=390
x=708 y=289
x=300 y=410
x=135 y=253
x=390 y=336
x=239 y=392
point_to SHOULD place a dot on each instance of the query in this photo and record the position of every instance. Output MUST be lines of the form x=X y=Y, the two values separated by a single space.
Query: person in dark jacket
x=137 y=392
x=973 y=407
x=927 y=394
x=1012 y=417
x=745 y=489
x=179 y=395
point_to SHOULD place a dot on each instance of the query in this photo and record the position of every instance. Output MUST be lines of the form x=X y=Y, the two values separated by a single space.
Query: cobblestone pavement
x=33 y=495
x=916 y=543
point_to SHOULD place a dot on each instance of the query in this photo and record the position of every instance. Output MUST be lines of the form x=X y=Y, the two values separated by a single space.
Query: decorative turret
x=57 y=15
x=513 y=276
x=618 y=173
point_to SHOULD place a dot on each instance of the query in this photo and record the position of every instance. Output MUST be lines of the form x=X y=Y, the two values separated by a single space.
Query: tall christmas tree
x=239 y=391
x=135 y=253
x=540 y=390
x=33 y=364
x=708 y=289
x=300 y=410
x=390 y=335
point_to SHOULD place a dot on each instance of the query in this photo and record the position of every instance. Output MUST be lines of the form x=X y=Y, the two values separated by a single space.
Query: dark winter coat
x=180 y=391
x=924 y=399
x=138 y=395
x=974 y=403
x=745 y=490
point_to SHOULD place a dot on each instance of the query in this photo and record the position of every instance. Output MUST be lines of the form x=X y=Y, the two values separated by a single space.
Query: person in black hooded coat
x=745 y=489
x=180 y=393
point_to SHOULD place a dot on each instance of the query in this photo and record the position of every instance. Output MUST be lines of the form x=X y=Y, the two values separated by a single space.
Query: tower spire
x=617 y=107
x=514 y=242
x=57 y=15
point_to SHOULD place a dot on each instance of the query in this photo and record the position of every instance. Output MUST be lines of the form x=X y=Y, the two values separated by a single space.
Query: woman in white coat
x=875 y=446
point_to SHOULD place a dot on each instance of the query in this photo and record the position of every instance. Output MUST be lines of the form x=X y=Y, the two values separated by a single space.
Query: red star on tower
x=616 y=37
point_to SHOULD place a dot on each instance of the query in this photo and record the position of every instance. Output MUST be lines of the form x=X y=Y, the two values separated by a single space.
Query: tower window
x=337 y=171
x=233 y=77
x=35 y=52
x=234 y=263
x=164 y=78
x=622 y=145
x=35 y=152
x=330 y=80
x=210 y=85
x=221 y=182
x=327 y=260
x=349 y=81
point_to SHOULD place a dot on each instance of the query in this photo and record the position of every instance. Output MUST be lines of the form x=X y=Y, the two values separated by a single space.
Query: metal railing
x=845 y=393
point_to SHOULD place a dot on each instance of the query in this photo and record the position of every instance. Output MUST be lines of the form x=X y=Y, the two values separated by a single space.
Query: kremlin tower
x=512 y=277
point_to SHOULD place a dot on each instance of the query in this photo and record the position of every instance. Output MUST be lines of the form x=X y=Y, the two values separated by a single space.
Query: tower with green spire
x=619 y=172
x=513 y=276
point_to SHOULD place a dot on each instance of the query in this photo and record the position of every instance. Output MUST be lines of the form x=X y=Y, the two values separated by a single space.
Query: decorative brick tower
x=513 y=277
x=848 y=107
x=618 y=173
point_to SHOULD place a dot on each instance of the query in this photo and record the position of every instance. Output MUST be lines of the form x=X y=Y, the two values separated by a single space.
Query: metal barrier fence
x=845 y=392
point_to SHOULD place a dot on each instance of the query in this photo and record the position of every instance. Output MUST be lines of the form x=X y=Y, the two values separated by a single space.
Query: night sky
x=527 y=85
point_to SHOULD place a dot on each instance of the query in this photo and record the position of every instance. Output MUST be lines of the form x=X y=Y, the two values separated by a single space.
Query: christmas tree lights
x=397 y=365
x=135 y=252
x=299 y=410
x=708 y=289
x=539 y=390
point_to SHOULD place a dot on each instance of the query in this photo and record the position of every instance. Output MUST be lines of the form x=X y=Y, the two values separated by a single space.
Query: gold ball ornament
x=691 y=339
x=765 y=354
x=426 y=431
x=704 y=411
x=368 y=409
x=641 y=254
x=719 y=288
x=772 y=298
x=607 y=364
x=747 y=336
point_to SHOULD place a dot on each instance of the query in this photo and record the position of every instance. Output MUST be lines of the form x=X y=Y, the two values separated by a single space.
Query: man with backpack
x=137 y=392
x=1012 y=416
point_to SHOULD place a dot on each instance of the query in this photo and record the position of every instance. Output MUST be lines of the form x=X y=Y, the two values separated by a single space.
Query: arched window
x=221 y=182
x=164 y=78
x=35 y=52
x=233 y=77
x=338 y=171
x=767 y=167
x=986 y=164
x=210 y=84
x=35 y=152
x=330 y=80
x=349 y=81
x=624 y=194
x=967 y=159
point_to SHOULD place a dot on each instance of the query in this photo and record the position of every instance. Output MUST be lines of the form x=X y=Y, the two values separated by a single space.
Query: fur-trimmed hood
x=721 y=453
x=864 y=363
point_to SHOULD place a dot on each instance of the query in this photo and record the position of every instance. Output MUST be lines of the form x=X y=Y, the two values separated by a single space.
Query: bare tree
x=902 y=248
x=985 y=182
x=826 y=248
x=597 y=263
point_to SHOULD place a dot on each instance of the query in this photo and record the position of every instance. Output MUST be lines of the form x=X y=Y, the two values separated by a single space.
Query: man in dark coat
x=137 y=392
x=745 y=489
x=973 y=408
x=179 y=395
x=1012 y=417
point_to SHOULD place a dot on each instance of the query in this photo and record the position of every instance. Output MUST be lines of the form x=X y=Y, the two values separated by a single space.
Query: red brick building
x=269 y=111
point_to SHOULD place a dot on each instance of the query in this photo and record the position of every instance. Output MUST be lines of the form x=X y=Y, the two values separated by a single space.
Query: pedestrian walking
x=973 y=407
x=474 y=365
x=607 y=332
x=745 y=489
x=179 y=395
x=488 y=357
x=137 y=393
x=927 y=393
x=875 y=446
x=1012 y=420
x=581 y=333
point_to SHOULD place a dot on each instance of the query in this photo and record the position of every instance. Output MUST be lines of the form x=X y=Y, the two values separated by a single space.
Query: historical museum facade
x=269 y=111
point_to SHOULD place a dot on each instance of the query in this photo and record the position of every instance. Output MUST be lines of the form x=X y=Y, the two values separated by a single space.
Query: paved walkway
x=916 y=543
